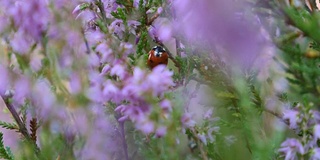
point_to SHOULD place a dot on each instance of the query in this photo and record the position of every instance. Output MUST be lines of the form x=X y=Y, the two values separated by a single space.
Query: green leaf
x=226 y=95
x=7 y=125
x=84 y=6
x=236 y=115
x=115 y=15
x=143 y=43
x=306 y=22
x=5 y=152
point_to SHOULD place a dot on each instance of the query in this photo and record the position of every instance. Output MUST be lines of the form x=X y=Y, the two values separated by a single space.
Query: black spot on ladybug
x=158 y=49
x=158 y=54
x=151 y=61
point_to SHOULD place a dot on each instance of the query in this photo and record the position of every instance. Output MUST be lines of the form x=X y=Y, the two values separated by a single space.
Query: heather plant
x=242 y=80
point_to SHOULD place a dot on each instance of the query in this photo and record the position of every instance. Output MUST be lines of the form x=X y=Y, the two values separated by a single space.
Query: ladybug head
x=158 y=50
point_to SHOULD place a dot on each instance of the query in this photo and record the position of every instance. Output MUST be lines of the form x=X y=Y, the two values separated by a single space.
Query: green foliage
x=142 y=44
x=5 y=152
x=302 y=66
x=315 y=45
x=84 y=6
x=256 y=99
x=11 y=126
x=120 y=14
x=185 y=70
x=305 y=21
x=126 y=3
x=141 y=8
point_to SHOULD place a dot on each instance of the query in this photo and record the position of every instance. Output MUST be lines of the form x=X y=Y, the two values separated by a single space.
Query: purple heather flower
x=102 y=140
x=160 y=29
x=123 y=118
x=4 y=80
x=66 y=59
x=118 y=70
x=110 y=6
x=159 y=10
x=208 y=114
x=4 y=23
x=151 y=10
x=95 y=78
x=137 y=39
x=166 y=105
x=43 y=98
x=75 y=83
x=138 y=75
x=105 y=69
x=62 y=4
x=240 y=39
x=135 y=113
x=135 y=86
x=210 y=134
x=105 y=51
x=69 y=134
x=79 y=121
x=95 y=94
x=21 y=89
x=293 y=117
x=126 y=48
x=154 y=9
x=203 y=138
x=290 y=148
x=94 y=37
x=136 y=3
x=159 y=79
x=161 y=131
x=187 y=120
x=121 y=108
x=35 y=62
x=133 y=26
x=152 y=32
x=111 y=92
x=190 y=14
x=32 y=17
x=86 y=16
x=316 y=154
x=316 y=116
x=93 y=60
x=117 y=27
x=73 y=38
x=20 y=42
x=77 y=9
x=146 y=127
x=102 y=48
x=316 y=132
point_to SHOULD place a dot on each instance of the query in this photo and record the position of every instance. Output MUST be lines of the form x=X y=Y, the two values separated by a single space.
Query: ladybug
x=158 y=55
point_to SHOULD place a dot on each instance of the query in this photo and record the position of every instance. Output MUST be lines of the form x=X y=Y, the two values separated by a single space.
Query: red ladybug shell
x=157 y=55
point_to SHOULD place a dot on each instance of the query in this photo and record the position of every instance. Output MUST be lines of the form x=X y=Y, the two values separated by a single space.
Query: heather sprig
x=5 y=152
x=304 y=121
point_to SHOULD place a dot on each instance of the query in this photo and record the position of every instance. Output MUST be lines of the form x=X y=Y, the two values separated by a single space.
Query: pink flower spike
x=123 y=118
x=166 y=105
x=159 y=10
x=317 y=131
x=146 y=127
x=161 y=131
x=77 y=10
